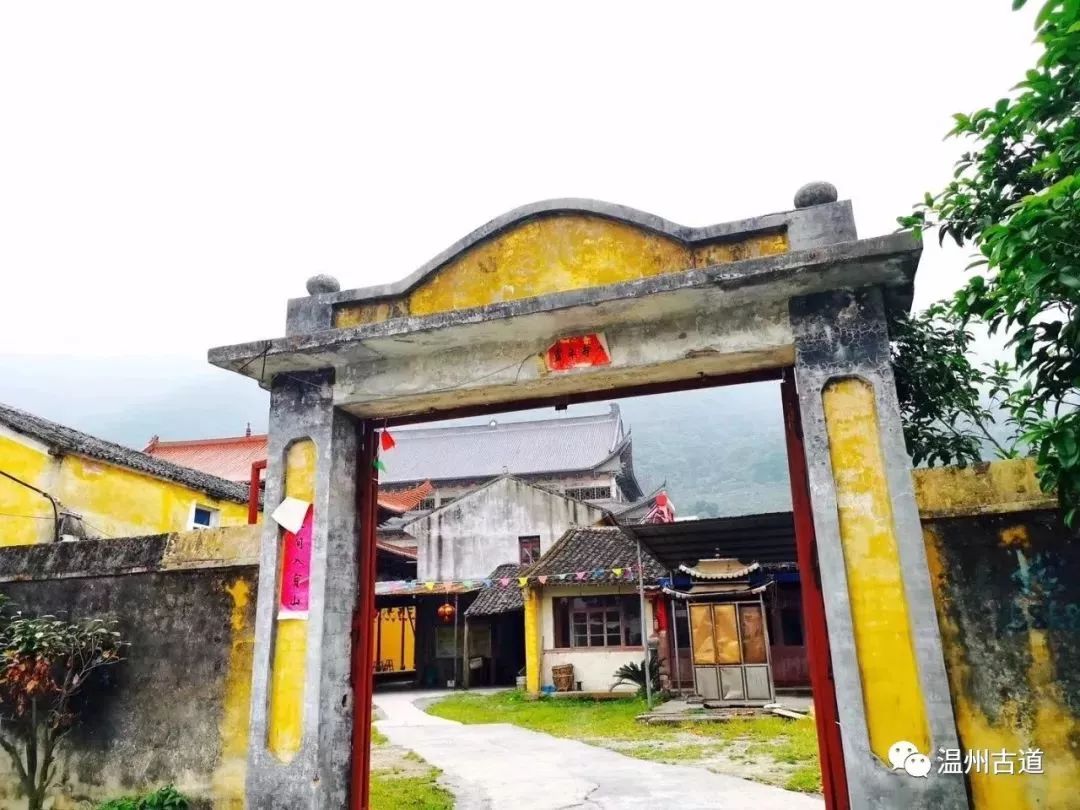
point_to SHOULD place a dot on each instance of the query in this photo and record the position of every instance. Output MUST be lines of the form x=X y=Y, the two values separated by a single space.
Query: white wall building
x=507 y=520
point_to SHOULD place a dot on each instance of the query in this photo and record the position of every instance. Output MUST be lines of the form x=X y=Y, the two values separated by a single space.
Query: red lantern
x=446 y=613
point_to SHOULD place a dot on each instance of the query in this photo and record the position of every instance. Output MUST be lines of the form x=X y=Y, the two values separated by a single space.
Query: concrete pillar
x=883 y=635
x=533 y=645
x=301 y=699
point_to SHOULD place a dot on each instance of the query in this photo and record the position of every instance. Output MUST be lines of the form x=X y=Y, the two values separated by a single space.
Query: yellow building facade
x=99 y=489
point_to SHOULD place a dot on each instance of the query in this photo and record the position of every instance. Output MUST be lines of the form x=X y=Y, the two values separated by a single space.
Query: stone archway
x=675 y=305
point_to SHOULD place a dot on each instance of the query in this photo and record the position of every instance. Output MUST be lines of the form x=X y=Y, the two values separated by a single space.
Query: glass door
x=730 y=650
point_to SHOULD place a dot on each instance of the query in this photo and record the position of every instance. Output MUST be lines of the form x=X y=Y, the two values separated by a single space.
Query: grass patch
x=667 y=753
x=392 y=792
x=377 y=737
x=576 y=719
x=772 y=749
x=805 y=779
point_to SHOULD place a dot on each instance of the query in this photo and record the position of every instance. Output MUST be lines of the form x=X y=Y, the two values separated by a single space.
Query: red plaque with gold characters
x=577 y=351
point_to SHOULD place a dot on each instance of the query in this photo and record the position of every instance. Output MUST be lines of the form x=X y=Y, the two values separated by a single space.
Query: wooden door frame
x=823 y=688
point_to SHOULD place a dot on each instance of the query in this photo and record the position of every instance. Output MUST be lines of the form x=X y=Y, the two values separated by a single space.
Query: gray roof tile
x=520 y=448
x=499 y=599
x=78 y=443
x=595 y=548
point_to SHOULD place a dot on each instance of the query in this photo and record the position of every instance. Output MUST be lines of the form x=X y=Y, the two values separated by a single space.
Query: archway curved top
x=558 y=246
x=712 y=300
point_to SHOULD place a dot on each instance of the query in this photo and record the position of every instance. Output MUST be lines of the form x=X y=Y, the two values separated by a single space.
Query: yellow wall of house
x=112 y=500
x=553 y=254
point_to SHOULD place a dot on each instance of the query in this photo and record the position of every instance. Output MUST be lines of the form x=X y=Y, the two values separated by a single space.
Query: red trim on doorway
x=253 y=490
x=363 y=663
x=833 y=776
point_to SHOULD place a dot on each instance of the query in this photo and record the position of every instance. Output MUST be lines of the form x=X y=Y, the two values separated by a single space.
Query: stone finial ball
x=817 y=193
x=322 y=283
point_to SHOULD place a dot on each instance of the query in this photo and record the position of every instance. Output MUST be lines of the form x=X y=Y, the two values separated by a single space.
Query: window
x=427 y=504
x=791 y=629
x=203 y=517
x=529 y=549
x=597 y=621
x=682 y=624
x=588 y=493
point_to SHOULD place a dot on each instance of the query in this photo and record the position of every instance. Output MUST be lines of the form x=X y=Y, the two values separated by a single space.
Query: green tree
x=1015 y=198
x=45 y=662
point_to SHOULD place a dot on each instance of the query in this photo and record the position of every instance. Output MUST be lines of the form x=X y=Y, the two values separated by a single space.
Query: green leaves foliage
x=634 y=673
x=1015 y=198
x=45 y=662
x=166 y=798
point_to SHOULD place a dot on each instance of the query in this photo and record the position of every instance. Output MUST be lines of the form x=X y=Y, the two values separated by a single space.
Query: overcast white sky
x=171 y=173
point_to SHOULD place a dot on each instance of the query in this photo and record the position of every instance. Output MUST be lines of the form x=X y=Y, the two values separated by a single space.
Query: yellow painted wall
x=285 y=726
x=884 y=647
x=114 y=501
x=533 y=646
x=1008 y=611
x=553 y=254
x=394 y=638
x=228 y=779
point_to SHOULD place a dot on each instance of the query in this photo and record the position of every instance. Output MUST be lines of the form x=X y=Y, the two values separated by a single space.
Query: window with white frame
x=203 y=517
x=597 y=621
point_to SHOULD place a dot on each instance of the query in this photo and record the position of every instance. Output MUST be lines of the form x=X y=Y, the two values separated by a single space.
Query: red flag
x=386 y=441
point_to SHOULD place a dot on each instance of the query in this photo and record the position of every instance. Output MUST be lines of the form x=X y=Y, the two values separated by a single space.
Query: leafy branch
x=44 y=663
x=1015 y=198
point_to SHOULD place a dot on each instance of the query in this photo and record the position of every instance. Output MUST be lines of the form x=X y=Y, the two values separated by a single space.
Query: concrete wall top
x=227 y=547
x=995 y=487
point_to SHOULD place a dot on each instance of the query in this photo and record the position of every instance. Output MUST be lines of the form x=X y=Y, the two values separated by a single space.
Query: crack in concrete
x=586 y=801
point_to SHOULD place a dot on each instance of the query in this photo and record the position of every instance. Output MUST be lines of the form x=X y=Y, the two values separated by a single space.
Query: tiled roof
x=497 y=599
x=404 y=552
x=72 y=441
x=629 y=512
x=230 y=458
x=402 y=501
x=595 y=548
x=720 y=569
x=443 y=453
x=522 y=448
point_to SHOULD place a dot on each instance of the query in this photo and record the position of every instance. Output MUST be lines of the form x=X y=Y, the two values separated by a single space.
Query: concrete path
x=496 y=766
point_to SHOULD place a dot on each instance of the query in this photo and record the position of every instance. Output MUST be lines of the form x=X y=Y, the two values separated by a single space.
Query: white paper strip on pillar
x=290 y=514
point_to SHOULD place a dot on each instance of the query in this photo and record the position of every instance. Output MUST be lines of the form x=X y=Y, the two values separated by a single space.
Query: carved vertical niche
x=888 y=670
x=285 y=718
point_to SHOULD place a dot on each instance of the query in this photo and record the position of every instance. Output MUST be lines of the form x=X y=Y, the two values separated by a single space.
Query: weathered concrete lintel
x=887 y=261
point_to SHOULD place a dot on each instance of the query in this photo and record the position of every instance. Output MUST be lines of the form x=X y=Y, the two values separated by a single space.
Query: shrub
x=634 y=673
x=166 y=798
x=44 y=663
